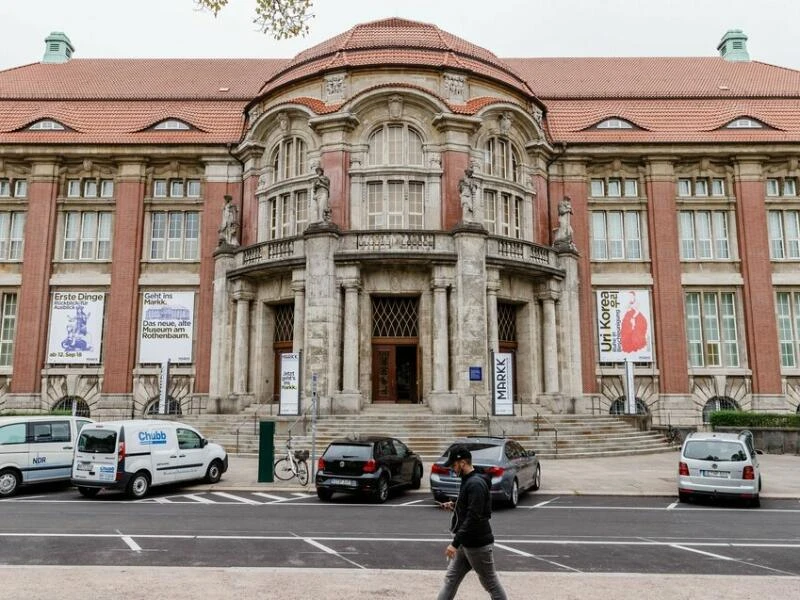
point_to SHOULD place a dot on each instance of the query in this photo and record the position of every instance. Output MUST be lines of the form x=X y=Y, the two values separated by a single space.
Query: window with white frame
x=787 y=306
x=781 y=186
x=174 y=235
x=87 y=235
x=13 y=188
x=503 y=213
x=614 y=124
x=47 y=125
x=704 y=235
x=614 y=187
x=288 y=214
x=289 y=159
x=12 y=235
x=502 y=159
x=176 y=188
x=784 y=234
x=701 y=187
x=395 y=145
x=172 y=125
x=616 y=235
x=744 y=123
x=711 y=329
x=395 y=204
x=90 y=188
x=8 y=327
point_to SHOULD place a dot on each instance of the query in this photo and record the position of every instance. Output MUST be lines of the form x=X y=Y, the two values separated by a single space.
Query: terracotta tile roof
x=658 y=77
x=139 y=79
x=122 y=121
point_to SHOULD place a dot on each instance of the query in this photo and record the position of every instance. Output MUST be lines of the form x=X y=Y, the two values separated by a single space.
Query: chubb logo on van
x=152 y=438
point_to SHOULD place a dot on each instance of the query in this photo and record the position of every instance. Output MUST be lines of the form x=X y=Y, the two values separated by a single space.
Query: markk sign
x=503 y=383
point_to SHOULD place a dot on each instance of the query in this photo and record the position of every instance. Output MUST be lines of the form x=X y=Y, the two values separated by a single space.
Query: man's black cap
x=458 y=452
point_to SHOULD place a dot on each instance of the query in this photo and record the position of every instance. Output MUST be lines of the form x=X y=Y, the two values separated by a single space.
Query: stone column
x=351 y=332
x=570 y=331
x=492 y=287
x=549 y=341
x=441 y=359
x=241 y=349
x=220 y=371
x=299 y=289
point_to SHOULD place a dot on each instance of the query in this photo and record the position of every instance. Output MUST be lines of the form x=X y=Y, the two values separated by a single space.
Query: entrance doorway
x=394 y=373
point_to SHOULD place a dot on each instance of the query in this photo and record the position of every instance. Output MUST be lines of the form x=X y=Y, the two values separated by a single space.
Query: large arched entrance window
x=72 y=405
x=173 y=407
x=287 y=203
x=718 y=403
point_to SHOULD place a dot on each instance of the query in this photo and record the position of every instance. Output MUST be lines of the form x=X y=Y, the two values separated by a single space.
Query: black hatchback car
x=370 y=465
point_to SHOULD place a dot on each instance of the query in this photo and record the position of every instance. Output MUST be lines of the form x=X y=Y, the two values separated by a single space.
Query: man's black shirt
x=473 y=509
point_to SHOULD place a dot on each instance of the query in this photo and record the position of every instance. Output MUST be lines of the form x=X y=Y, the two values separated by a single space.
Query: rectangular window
x=416 y=191
x=273 y=218
x=704 y=235
x=174 y=235
x=73 y=188
x=376 y=148
x=395 y=204
x=288 y=156
x=684 y=187
x=8 y=327
x=106 y=188
x=394 y=145
x=90 y=188
x=614 y=188
x=789 y=187
x=193 y=188
x=375 y=206
x=616 y=235
x=176 y=188
x=598 y=188
x=5 y=188
x=21 y=188
x=631 y=188
x=784 y=234
x=12 y=235
x=159 y=188
x=301 y=212
x=711 y=329
x=491 y=211
x=87 y=235
x=787 y=306
x=773 y=187
x=717 y=187
x=701 y=187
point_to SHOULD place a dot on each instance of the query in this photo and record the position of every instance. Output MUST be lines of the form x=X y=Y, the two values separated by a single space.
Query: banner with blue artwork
x=167 y=327
x=76 y=328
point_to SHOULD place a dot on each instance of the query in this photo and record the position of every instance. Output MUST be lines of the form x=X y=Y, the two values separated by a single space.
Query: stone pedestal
x=444 y=403
x=568 y=311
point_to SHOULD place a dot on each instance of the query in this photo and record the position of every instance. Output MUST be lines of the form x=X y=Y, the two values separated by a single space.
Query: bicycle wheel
x=302 y=472
x=283 y=469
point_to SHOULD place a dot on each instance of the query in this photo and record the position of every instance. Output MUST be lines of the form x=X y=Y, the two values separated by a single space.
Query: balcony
x=521 y=252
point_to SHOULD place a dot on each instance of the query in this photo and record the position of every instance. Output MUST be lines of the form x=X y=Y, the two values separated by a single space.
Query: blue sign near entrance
x=475 y=374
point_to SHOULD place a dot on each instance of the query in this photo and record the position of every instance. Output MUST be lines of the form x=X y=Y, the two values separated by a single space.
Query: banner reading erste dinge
x=167 y=327
x=624 y=325
x=76 y=328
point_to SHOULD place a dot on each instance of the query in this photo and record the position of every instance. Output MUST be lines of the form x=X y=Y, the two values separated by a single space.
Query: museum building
x=400 y=207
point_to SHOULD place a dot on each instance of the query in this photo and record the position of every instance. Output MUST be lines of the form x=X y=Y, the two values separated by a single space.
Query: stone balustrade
x=519 y=250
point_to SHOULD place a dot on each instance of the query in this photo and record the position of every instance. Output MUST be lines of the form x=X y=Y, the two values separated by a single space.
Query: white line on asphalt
x=528 y=555
x=301 y=494
x=163 y=500
x=711 y=554
x=541 y=504
x=131 y=544
x=237 y=498
x=411 y=502
x=268 y=496
x=328 y=550
x=673 y=505
x=200 y=499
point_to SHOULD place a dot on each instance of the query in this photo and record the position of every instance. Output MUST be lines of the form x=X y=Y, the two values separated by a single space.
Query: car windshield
x=349 y=452
x=716 y=450
x=97 y=441
x=481 y=451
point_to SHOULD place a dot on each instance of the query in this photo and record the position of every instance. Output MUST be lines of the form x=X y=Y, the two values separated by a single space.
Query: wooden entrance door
x=384 y=373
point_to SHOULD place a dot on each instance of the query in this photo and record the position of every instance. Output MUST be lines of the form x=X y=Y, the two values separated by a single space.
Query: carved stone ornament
x=395 y=107
x=254 y=113
x=229 y=227
x=504 y=123
x=263 y=182
x=335 y=87
x=283 y=123
x=455 y=88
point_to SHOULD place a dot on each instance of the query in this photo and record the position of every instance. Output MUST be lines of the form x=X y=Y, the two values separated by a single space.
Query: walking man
x=471 y=547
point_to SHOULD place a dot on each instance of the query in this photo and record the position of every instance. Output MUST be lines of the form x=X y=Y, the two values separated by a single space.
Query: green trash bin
x=266 y=451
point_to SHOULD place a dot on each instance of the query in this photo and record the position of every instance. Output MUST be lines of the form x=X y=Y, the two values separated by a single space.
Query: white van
x=36 y=449
x=133 y=455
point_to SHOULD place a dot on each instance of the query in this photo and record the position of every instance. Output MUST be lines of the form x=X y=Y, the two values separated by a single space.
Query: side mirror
x=759 y=451
x=530 y=452
x=203 y=442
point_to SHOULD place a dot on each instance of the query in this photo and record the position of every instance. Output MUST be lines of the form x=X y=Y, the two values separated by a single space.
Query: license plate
x=716 y=474
x=84 y=466
x=344 y=482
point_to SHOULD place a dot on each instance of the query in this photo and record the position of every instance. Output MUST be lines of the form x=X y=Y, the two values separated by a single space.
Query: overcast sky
x=509 y=28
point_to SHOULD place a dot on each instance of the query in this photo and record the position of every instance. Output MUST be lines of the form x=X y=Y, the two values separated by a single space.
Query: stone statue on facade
x=229 y=228
x=564 y=235
x=467 y=190
x=320 y=195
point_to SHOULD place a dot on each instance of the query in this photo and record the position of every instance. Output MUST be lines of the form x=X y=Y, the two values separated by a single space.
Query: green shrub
x=746 y=420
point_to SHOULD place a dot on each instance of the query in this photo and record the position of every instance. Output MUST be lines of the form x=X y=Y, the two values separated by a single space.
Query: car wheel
x=9 y=482
x=88 y=492
x=324 y=494
x=382 y=491
x=513 y=498
x=683 y=497
x=139 y=485
x=537 y=478
x=416 y=479
x=214 y=473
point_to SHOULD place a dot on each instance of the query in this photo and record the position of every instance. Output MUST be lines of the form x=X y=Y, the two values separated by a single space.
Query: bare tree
x=282 y=19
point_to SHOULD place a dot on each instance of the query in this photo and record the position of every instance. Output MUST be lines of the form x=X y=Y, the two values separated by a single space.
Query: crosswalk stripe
x=201 y=499
x=163 y=500
x=236 y=498
x=268 y=496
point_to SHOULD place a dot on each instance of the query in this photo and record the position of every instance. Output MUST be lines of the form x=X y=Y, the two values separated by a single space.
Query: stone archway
x=716 y=403
x=72 y=405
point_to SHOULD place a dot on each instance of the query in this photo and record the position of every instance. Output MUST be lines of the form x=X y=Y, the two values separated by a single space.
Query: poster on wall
x=502 y=383
x=76 y=328
x=167 y=327
x=290 y=384
x=624 y=325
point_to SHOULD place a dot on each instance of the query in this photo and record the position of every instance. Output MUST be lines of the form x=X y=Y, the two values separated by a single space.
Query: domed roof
x=396 y=41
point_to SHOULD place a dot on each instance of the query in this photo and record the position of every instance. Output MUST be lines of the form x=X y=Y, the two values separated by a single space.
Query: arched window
x=503 y=200
x=172 y=124
x=395 y=145
x=744 y=123
x=502 y=160
x=47 y=125
x=173 y=407
x=287 y=205
x=72 y=405
x=614 y=124
x=289 y=159
x=718 y=403
x=618 y=407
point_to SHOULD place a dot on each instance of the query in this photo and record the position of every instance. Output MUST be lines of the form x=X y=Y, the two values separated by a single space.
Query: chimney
x=58 y=48
x=733 y=46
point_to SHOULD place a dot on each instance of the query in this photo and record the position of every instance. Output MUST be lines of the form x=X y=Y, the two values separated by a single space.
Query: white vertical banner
x=290 y=384
x=624 y=325
x=163 y=383
x=167 y=327
x=502 y=383
x=76 y=328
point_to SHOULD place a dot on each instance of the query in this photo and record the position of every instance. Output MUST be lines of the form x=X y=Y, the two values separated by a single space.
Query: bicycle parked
x=294 y=464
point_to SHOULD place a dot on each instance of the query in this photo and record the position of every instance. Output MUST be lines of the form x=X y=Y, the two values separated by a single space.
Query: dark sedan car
x=369 y=465
x=512 y=469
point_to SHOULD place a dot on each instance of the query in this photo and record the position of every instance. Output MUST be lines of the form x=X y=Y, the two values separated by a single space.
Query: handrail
x=475 y=403
x=553 y=425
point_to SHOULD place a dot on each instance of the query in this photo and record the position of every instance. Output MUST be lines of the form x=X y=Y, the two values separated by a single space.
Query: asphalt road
x=566 y=534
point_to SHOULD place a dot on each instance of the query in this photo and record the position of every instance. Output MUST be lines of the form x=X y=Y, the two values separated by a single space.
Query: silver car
x=719 y=465
x=512 y=469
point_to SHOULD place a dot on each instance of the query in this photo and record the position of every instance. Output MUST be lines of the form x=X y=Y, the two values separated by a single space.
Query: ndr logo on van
x=150 y=438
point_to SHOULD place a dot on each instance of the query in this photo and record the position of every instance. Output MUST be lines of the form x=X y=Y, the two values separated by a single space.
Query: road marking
x=711 y=554
x=237 y=498
x=673 y=505
x=163 y=500
x=268 y=496
x=201 y=499
x=528 y=555
x=131 y=544
x=328 y=550
x=546 y=502
x=301 y=494
x=410 y=503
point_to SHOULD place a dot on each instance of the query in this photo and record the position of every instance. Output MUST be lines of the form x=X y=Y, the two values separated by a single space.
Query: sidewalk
x=639 y=475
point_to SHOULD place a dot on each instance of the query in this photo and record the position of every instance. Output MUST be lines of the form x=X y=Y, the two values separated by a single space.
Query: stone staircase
x=555 y=436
